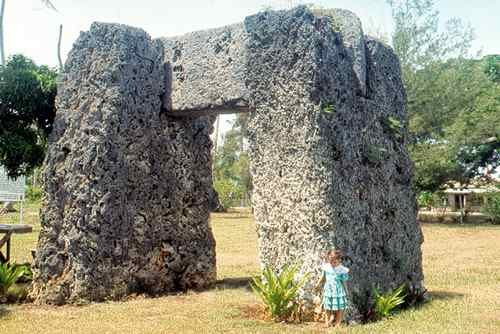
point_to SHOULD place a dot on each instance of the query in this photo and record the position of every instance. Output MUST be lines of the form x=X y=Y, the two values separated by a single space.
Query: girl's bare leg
x=332 y=317
x=328 y=318
x=338 y=317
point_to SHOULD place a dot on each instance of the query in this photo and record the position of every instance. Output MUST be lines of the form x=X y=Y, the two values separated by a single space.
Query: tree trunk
x=2 y=50
x=59 y=48
x=216 y=135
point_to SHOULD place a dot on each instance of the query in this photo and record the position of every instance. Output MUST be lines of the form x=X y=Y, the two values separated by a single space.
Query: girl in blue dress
x=333 y=276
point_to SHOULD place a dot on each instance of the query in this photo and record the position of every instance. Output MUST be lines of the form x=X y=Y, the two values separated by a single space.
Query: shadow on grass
x=445 y=295
x=461 y=226
x=234 y=283
x=3 y=311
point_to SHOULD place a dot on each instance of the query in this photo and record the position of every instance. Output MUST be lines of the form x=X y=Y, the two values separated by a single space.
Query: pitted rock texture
x=350 y=30
x=127 y=186
x=207 y=69
x=128 y=180
x=329 y=170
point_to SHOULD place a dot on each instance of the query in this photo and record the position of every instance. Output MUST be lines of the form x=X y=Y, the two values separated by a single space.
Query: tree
x=423 y=51
x=232 y=179
x=27 y=111
x=452 y=98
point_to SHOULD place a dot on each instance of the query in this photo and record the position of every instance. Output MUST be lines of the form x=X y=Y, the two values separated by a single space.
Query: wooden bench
x=8 y=230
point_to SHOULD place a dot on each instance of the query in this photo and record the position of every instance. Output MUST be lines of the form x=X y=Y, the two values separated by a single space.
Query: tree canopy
x=453 y=99
x=27 y=111
x=231 y=173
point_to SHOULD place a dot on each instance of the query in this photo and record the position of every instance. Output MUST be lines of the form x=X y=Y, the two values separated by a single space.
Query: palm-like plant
x=387 y=303
x=278 y=291
x=8 y=276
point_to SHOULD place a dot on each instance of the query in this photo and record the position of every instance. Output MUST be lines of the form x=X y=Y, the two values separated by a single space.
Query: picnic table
x=8 y=230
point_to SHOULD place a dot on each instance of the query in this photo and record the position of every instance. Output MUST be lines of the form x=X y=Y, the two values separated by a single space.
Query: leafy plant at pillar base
x=386 y=304
x=279 y=291
x=27 y=275
x=9 y=275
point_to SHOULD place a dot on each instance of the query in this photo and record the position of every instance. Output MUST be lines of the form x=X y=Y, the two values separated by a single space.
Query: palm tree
x=46 y=3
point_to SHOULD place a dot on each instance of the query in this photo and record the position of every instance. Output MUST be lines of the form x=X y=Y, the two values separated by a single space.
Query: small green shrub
x=278 y=291
x=34 y=194
x=328 y=108
x=27 y=275
x=425 y=199
x=394 y=126
x=386 y=304
x=229 y=192
x=492 y=207
x=9 y=276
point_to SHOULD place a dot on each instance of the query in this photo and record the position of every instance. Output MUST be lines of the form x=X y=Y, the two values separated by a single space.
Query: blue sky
x=32 y=29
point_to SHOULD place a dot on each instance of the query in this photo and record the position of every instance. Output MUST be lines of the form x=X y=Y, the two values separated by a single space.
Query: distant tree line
x=27 y=111
x=453 y=102
x=453 y=99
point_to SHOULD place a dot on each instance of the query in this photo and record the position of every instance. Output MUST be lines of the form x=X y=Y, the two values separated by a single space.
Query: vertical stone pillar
x=327 y=148
x=127 y=187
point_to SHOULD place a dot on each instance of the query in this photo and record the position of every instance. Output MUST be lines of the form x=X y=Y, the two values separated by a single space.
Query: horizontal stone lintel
x=220 y=110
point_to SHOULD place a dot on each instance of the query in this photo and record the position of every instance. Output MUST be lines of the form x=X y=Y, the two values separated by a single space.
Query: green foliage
x=492 y=207
x=491 y=67
x=278 y=291
x=9 y=276
x=229 y=192
x=231 y=169
x=452 y=99
x=386 y=304
x=395 y=127
x=328 y=108
x=27 y=111
x=27 y=275
x=434 y=166
x=34 y=194
x=424 y=199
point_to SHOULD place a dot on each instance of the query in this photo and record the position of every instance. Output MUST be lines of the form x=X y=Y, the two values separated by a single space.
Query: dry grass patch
x=461 y=264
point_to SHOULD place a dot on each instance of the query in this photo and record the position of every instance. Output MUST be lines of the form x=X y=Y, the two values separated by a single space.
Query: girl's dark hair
x=337 y=253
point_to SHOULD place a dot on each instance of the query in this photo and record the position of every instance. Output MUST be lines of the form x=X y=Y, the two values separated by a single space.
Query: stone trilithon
x=128 y=176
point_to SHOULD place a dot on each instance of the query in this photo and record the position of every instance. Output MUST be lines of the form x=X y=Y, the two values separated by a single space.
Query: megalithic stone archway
x=129 y=168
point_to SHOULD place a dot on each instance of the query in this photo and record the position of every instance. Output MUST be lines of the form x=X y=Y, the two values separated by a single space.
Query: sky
x=32 y=29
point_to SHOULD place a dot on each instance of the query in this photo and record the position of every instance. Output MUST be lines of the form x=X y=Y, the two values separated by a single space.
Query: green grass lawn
x=461 y=263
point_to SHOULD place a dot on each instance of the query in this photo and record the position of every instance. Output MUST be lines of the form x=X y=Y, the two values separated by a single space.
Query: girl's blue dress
x=334 y=294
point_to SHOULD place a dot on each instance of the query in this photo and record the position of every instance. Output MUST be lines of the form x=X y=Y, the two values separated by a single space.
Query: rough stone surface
x=328 y=170
x=129 y=181
x=208 y=69
x=127 y=187
x=349 y=27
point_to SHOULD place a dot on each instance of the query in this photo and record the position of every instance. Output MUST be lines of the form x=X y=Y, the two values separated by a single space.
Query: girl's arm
x=320 y=282
x=343 y=273
x=343 y=277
